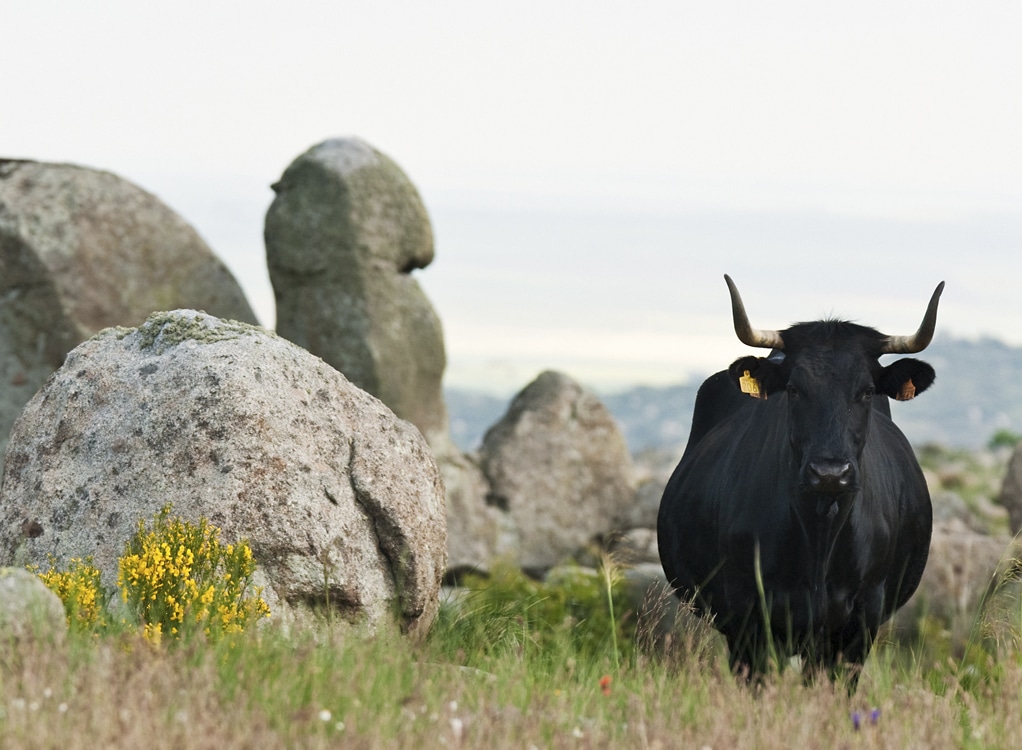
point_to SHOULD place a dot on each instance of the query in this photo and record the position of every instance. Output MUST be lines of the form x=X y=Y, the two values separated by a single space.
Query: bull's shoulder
x=739 y=456
x=718 y=398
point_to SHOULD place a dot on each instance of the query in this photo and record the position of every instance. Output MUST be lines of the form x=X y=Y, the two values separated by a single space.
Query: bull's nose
x=829 y=476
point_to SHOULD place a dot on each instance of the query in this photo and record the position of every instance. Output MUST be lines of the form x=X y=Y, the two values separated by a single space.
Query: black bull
x=798 y=516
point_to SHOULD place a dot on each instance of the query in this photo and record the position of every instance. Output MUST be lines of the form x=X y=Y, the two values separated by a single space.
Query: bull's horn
x=921 y=338
x=746 y=333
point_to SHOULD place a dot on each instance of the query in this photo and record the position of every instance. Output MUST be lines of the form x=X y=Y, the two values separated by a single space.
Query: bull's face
x=829 y=373
x=829 y=393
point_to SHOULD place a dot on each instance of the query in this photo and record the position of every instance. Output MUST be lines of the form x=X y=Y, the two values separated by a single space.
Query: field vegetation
x=509 y=663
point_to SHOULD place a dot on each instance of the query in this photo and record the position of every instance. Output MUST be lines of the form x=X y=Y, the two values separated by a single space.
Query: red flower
x=605 y=684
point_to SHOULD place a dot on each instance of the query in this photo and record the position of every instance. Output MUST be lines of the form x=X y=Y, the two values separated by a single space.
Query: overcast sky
x=867 y=125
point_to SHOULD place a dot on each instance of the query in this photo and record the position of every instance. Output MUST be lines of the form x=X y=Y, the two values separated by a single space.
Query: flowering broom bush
x=178 y=577
x=81 y=590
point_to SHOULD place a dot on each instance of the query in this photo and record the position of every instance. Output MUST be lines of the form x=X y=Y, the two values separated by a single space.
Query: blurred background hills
x=977 y=398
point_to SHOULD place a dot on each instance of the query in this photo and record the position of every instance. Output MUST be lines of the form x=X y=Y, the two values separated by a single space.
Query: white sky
x=880 y=111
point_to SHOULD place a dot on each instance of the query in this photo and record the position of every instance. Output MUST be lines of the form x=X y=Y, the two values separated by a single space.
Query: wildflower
x=325 y=715
x=605 y=684
x=457 y=728
x=857 y=718
x=177 y=576
x=81 y=591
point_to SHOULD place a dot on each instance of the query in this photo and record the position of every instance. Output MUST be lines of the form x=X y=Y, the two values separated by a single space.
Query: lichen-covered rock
x=344 y=233
x=29 y=610
x=82 y=250
x=341 y=502
x=558 y=464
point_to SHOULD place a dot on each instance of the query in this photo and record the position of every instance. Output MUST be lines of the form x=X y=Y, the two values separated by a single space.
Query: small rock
x=29 y=610
x=1011 y=491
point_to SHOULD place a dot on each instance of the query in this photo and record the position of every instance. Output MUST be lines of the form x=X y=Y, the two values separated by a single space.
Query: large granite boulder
x=344 y=233
x=81 y=250
x=341 y=501
x=558 y=465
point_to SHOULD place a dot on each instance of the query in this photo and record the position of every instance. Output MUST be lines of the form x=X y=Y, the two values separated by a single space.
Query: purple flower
x=874 y=716
x=856 y=720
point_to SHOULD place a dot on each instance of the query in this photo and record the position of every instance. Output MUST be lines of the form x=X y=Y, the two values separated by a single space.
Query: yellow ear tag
x=750 y=385
x=908 y=391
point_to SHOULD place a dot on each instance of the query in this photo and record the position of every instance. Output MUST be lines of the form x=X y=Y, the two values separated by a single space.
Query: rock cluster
x=344 y=233
x=341 y=502
x=81 y=250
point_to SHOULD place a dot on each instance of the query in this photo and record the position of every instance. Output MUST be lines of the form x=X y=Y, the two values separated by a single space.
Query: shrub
x=1004 y=439
x=177 y=577
x=581 y=615
x=81 y=590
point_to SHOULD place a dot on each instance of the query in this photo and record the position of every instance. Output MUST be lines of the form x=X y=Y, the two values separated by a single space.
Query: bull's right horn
x=746 y=333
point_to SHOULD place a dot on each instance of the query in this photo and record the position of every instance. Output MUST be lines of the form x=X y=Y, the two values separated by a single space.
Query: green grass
x=514 y=664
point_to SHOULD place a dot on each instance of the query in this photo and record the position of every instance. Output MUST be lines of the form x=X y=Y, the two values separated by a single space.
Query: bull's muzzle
x=830 y=476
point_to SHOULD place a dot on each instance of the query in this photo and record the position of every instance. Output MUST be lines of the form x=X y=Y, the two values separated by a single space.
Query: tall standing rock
x=558 y=464
x=343 y=235
x=81 y=250
x=341 y=501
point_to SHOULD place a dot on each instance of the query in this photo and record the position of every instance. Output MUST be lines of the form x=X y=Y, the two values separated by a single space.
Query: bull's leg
x=750 y=654
x=849 y=648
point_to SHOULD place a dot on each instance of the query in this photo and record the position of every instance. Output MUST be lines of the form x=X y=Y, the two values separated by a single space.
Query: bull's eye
x=867 y=393
x=792 y=391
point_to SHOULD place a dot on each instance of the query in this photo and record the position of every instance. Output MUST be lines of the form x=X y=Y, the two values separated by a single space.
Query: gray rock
x=558 y=465
x=1011 y=491
x=636 y=546
x=29 y=610
x=81 y=250
x=478 y=534
x=343 y=235
x=341 y=501
x=963 y=568
x=643 y=514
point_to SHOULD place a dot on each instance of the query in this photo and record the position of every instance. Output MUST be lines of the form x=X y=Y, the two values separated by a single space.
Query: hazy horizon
x=591 y=171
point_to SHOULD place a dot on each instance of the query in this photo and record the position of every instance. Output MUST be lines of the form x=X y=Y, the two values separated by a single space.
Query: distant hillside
x=978 y=393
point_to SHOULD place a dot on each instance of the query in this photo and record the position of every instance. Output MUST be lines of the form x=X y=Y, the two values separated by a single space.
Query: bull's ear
x=905 y=379
x=756 y=376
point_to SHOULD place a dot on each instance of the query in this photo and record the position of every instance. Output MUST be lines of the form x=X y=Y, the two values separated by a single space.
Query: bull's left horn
x=921 y=338
x=746 y=333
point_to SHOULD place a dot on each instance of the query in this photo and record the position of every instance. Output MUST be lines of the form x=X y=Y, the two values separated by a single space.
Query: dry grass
x=528 y=685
